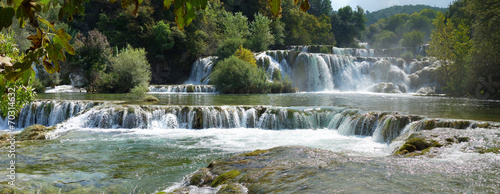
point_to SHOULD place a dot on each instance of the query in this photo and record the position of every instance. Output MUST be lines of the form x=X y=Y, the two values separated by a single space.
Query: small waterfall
x=49 y=113
x=182 y=89
x=200 y=71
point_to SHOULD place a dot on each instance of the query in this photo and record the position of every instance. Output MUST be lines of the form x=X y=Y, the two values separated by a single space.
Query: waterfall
x=346 y=70
x=201 y=69
x=49 y=113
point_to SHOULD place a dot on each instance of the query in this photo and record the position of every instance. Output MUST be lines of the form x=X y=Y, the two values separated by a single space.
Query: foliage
x=485 y=52
x=412 y=39
x=38 y=86
x=407 y=56
x=348 y=24
x=228 y=47
x=162 y=37
x=373 y=17
x=410 y=30
x=451 y=45
x=303 y=28
x=278 y=31
x=320 y=7
x=13 y=94
x=92 y=55
x=235 y=25
x=385 y=39
x=128 y=69
x=235 y=76
x=246 y=55
x=261 y=36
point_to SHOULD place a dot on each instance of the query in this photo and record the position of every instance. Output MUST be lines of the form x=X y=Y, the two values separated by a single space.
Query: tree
x=261 y=36
x=128 y=69
x=412 y=39
x=320 y=7
x=348 y=24
x=235 y=25
x=451 y=45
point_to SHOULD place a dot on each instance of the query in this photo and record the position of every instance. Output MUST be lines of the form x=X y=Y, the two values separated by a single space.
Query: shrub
x=228 y=47
x=235 y=76
x=246 y=55
x=407 y=56
x=38 y=86
x=128 y=69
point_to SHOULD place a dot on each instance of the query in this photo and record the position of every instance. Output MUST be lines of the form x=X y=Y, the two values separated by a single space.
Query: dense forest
x=372 y=17
x=113 y=51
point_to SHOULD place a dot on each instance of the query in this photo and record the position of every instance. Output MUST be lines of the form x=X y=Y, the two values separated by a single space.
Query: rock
x=202 y=177
x=151 y=99
x=426 y=91
x=33 y=132
x=233 y=188
x=384 y=87
x=223 y=178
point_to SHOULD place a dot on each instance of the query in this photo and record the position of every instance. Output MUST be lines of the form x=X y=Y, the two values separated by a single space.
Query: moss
x=483 y=125
x=462 y=139
x=162 y=192
x=33 y=132
x=429 y=124
x=482 y=150
x=231 y=188
x=223 y=178
x=201 y=177
x=151 y=99
x=190 y=88
x=255 y=153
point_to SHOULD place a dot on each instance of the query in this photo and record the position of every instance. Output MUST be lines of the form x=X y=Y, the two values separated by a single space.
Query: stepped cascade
x=382 y=126
x=347 y=69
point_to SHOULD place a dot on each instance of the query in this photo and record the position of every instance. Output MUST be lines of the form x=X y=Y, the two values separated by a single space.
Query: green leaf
x=275 y=7
x=179 y=17
x=6 y=15
x=27 y=75
x=189 y=14
x=51 y=25
x=62 y=38
x=167 y=3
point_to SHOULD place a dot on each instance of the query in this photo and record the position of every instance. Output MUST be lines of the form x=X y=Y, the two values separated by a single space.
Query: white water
x=182 y=89
x=314 y=72
x=201 y=69
x=65 y=89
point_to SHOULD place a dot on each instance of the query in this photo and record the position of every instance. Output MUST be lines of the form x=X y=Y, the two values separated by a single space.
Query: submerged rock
x=34 y=132
x=385 y=87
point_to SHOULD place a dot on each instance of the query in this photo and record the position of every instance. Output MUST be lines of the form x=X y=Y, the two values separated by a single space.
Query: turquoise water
x=94 y=160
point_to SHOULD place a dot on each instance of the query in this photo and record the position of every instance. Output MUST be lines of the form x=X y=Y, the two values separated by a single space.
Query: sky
x=374 y=5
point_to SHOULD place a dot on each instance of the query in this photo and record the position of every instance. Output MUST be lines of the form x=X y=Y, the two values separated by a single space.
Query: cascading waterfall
x=49 y=113
x=201 y=69
x=345 y=72
x=197 y=82
x=383 y=127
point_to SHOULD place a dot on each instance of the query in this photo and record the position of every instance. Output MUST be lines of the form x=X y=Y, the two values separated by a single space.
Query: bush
x=38 y=86
x=235 y=76
x=228 y=47
x=128 y=69
x=246 y=55
x=407 y=56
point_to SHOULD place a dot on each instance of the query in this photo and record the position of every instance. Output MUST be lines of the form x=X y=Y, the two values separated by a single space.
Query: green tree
x=486 y=40
x=235 y=76
x=320 y=7
x=412 y=39
x=451 y=45
x=128 y=69
x=261 y=36
x=278 y=31
x=246 y=55
x=348 y=24
x=235 y=25
x=13 y=94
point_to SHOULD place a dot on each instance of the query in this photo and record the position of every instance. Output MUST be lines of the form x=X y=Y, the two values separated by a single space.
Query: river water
x=114 y=143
